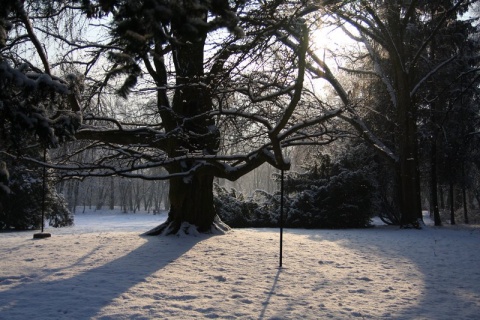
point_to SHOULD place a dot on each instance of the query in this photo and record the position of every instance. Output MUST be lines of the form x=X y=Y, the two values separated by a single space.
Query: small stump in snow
x=41 y=235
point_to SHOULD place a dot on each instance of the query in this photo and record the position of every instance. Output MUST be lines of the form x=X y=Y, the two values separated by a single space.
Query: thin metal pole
x=43 y=235
x=281 y=218
x=43 y=187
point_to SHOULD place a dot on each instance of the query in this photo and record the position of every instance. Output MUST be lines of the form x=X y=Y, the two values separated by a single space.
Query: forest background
x=159 y=105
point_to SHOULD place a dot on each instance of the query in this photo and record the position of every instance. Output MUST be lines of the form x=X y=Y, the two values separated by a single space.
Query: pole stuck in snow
x=42 y=234
x=281 y=218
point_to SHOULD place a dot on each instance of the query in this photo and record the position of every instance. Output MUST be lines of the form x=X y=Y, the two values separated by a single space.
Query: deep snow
x=103 y=269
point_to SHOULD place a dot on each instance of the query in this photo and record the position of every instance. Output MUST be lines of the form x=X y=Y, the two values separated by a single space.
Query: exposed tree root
x=413 y=225
x=171 y=227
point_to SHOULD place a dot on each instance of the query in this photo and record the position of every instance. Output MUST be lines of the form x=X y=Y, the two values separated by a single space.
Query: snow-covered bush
x=233 y=208
x=21 y=209
x=237 y=211
x=342 y=200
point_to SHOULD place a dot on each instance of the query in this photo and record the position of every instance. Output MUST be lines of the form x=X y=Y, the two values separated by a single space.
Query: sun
x=330 y=39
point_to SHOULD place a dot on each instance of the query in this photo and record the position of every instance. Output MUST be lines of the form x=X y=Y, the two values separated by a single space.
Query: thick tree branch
x=22 y=14
x=273 y=134
x=369 y=136
x=140 y=137
x=430 y=74
x=434 y=32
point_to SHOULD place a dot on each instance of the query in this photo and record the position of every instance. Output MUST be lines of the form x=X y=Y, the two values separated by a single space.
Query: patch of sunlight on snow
x=468 y=297
x=366 y=279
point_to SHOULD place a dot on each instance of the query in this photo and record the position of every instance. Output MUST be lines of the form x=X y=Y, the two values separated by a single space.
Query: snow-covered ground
x=103 y=269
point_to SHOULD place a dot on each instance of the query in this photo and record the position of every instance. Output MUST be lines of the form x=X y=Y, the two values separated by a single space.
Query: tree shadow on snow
x=84 y=295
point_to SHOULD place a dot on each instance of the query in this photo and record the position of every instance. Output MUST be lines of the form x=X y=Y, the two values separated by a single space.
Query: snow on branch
x=267 y=97
x=311 y=122
x=381 y=73
x=236 y=113
x=139 y=136
x=431 y=73
x=367 y=134
x=30 y=80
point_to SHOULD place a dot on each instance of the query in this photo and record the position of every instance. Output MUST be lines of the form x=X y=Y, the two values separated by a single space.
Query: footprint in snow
x=220 y=278
x=364 y=279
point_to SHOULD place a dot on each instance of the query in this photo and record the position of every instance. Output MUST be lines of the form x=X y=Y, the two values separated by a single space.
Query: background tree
x=396 y=37
x=445 y=98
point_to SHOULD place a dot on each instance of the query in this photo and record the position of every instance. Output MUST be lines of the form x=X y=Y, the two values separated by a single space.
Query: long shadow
x=270 y=294
x=65 y=298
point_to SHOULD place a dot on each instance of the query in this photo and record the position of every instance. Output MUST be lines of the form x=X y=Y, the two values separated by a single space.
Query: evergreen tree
x=397 y=36
x=447 y=112
x=31 y=103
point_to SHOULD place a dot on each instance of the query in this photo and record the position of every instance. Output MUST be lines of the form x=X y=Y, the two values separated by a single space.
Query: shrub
x=342 y=200
x=21 y=209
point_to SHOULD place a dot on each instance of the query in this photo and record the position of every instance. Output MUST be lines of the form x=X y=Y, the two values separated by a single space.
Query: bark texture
x=191 y=208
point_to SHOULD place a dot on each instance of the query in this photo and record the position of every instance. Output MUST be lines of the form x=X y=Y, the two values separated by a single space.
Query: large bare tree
x=214 y=89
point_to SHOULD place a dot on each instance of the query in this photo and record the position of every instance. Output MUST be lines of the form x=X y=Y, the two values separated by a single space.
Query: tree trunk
x=191 y=207
x=164 y=197
x=73 y=196
x=410 y=199
x=452 y=204
x=190 y=198
x=112 y=194
x=465 y=209
x=464 y=195
x=433 y=152
x=476 y=194
x=101 y=195
x=434 y=184
x=442 y=198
